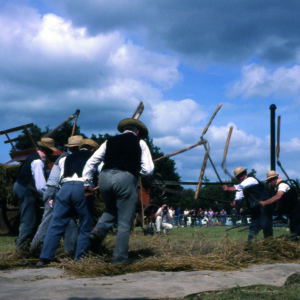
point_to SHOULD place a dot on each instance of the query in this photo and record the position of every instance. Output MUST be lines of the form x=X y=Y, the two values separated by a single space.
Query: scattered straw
x=162 y=253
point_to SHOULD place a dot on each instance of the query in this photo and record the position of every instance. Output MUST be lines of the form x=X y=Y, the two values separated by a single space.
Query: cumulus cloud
x=169 y=117
x=258 y=81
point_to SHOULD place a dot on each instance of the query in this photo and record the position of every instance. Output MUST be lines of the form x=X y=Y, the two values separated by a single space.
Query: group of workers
x=68 y=194
x=262 y=207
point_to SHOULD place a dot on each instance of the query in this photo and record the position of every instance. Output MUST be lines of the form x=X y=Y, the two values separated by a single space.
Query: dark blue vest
x=256 y=191
x=24 y=176
x=123 y=152
x=75 y=163
x=289 y=200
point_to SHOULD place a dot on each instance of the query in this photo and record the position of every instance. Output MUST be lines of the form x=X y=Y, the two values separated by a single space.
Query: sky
x=182 y=58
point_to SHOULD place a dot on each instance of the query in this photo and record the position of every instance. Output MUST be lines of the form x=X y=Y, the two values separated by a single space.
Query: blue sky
x=181 y=58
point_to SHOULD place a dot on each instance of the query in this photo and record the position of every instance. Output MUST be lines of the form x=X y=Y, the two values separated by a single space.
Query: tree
x=60 y=136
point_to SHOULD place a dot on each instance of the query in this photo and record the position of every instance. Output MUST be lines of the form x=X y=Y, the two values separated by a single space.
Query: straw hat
x=74 y=141
x=271 y=174
x=136 y=123
x=88 y=142
x=48 y=143
x=238 y=171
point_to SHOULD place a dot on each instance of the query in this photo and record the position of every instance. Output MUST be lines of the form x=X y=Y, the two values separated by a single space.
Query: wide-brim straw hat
x=136 y=123
x=74 y=141
x=47 y=143
x=271 y=174
x=88 y=142
x=238 y=171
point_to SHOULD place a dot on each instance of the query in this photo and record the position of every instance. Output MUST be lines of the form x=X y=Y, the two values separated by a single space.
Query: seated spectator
x=163 y=219
x=216 y=222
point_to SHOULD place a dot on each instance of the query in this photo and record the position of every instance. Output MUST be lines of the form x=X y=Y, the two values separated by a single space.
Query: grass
x=183 y=249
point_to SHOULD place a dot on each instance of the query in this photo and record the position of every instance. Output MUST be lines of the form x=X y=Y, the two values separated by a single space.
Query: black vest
x=123 y=152
x=24 y=176
x=75 y=163
x=256 y=191
x=289 y=200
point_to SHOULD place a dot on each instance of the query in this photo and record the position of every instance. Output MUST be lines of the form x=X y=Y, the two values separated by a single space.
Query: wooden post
x=201 y=175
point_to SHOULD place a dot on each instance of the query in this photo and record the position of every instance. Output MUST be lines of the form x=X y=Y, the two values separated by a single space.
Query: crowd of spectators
x=206 y=217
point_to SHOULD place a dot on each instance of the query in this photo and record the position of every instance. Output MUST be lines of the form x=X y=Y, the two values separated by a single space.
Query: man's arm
x=273 y=199
x=91 y=165
x=37 y=169
x=147 y=165
x=159 y=212
x=229 y=189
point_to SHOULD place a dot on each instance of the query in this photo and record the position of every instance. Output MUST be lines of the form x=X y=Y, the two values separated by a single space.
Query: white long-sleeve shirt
x=37 y=170
x=90 y=168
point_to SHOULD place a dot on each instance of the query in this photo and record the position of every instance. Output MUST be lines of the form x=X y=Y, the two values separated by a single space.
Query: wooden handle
x=227 y=145
x=180 y=151
x=211 y=119
x=138 y=111
x=201 y=174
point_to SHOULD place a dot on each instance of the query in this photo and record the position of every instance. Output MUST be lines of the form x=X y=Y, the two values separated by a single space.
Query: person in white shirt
x=163 y=219
x=126 y=157
x=288 y=201
x=31 y=184
x=70 y=199
x=254 y=192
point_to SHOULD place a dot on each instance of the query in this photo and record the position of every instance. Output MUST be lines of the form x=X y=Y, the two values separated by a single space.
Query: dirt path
x=52 y=283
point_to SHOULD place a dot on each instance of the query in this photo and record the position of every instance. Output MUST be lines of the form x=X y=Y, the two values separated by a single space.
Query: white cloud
x=257 y=81
x=169 y=117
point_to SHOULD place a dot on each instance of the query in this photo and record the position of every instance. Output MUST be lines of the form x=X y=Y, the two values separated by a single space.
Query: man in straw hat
x=53 y=185
x=288 y=201
x=31 y=183
x=126 y=157
x=71 y=198
x=254 y=192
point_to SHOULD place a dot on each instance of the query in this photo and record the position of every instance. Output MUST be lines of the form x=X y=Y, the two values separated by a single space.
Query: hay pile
x=161 y=253
x=8 y=176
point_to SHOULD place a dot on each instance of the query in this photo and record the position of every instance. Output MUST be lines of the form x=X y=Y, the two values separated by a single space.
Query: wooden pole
x=201 y=175
x=225 y=153
x=142 y=204
x=138 y=111
x=74 y=124
x=180 y=151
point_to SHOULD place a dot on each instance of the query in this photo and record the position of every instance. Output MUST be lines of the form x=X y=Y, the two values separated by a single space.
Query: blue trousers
x=119 y=190
x=70 y=199
x=71 y=233
x=261 y=218
x=30 y=214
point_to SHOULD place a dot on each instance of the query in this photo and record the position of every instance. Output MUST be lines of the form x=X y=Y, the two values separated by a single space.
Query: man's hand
x=88 y=191
x=262 y=203
x=233 y=204
x=51 y=203
x=225 y=187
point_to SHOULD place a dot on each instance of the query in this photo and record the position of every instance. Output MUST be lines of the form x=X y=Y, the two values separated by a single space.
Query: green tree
x=60 y=136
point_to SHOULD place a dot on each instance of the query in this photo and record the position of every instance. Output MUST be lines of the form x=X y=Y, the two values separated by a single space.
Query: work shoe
x=42 y=263
x=95 y=240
